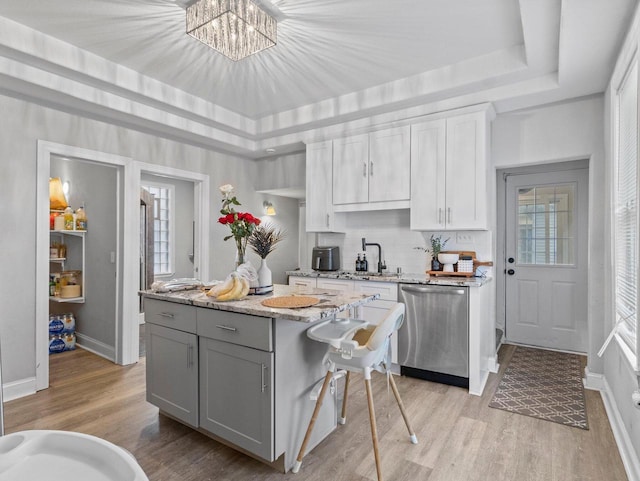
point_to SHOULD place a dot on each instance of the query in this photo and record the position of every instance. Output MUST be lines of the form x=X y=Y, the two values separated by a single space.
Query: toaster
x=325 y=258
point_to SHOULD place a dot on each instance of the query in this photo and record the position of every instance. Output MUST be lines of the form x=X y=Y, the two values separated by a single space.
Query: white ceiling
x=337 y=64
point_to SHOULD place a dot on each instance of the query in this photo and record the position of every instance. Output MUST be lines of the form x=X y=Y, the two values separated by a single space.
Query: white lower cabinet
x=302 y=281
x=172 y=372
x=236 y=395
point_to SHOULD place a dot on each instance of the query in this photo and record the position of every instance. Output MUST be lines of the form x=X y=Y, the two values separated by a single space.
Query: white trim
x=593 y=381
x=625 y=446
x=45 y=150
x=99 y=348
x=17 y=389
x=492 y=364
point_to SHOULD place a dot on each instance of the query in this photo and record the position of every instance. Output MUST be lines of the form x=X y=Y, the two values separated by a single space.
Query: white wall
x=21 y=125
x=561 y=132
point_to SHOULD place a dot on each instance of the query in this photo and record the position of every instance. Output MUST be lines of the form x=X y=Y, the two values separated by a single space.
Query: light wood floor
x=460 y=437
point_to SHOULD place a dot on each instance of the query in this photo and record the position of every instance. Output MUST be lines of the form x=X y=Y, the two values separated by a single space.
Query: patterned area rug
x=545 y=385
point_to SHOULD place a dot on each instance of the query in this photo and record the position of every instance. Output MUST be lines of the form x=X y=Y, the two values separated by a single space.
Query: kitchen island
x=240 y=372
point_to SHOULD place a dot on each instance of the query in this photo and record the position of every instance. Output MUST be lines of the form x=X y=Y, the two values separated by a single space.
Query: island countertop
x=331 y=302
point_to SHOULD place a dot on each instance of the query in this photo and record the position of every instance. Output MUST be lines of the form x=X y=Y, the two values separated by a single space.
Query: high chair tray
x=334 y=331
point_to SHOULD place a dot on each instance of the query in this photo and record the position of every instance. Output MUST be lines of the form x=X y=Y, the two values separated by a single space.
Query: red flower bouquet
x=241 y=224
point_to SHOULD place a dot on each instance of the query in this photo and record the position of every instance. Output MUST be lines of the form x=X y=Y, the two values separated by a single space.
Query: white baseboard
x=96 y=347
x=17 y=389
x=593 y=381
x=625 y=447
x=493 y=365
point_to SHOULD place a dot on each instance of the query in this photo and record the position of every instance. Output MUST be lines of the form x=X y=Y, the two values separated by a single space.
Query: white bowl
x=447 y=261
x=448 y=258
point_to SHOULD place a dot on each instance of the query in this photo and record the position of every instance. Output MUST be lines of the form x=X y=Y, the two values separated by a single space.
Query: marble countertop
x=399 y=279
x=331 y=302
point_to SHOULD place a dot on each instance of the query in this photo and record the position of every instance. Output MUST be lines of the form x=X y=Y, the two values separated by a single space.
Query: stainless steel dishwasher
x=433 y=342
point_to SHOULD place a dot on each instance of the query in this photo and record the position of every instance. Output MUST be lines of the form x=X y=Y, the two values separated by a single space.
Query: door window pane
x=546 y=225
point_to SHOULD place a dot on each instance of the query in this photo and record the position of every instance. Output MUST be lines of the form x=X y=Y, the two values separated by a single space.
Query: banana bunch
x=235 y=287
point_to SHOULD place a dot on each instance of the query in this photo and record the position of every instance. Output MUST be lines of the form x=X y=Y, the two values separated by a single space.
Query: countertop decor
x=242 y=224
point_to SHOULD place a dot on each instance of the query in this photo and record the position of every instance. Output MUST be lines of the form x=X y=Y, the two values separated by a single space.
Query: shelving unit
x=74 y=260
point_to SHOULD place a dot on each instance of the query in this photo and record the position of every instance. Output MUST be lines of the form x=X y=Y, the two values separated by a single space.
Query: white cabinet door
x=305 y=282
x=319 y=202
x=449 y=173
x=350 y=170
x=428 y=159
x=172 y=372
x=466 y=172
x=390 y=164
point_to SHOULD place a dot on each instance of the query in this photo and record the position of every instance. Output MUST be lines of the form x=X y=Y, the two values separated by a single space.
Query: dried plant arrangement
x=264 y=239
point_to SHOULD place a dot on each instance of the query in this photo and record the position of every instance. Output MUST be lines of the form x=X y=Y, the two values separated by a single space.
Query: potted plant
x=263 y=241
x=437 y=244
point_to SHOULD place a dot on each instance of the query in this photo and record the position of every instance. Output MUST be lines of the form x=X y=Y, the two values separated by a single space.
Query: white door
x=546 y=259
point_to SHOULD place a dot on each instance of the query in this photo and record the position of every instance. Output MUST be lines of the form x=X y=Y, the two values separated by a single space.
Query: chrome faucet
x=381 y=264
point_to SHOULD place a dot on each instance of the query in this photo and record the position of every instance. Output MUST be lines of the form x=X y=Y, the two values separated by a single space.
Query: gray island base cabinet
x=242 y=379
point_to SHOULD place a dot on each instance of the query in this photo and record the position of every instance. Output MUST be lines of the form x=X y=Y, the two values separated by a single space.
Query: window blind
x=626 y=209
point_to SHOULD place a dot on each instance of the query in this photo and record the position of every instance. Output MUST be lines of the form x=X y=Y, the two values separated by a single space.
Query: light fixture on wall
x=269 y=209
x=235 y=28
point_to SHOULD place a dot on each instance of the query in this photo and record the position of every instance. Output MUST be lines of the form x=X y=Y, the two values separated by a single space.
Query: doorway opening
x=542 y=251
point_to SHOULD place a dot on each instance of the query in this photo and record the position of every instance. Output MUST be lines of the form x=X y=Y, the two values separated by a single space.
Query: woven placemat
x=289 y=302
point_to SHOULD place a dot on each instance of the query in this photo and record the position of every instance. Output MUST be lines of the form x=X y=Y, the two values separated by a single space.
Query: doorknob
x=511 y=260
x=511 y=272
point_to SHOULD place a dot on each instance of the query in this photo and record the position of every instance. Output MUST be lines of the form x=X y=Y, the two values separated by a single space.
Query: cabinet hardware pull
x=227 y=328
x=371 y=168
x=327 y=220
x=440 y=215
x=188 y=356
x=262 y=378
x=364 y=169
x=449 y=214
x=166 y=314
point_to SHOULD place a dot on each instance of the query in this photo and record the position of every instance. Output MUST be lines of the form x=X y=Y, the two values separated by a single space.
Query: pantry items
x=62 y=333
x=69 y=221
x=70 y=284
x=81 y=219
x=58 y=222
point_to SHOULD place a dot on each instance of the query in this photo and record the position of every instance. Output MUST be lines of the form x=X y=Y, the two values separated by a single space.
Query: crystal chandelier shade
x=235 y=28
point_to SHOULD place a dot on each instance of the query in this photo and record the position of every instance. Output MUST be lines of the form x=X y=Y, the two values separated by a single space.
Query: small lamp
x=269 y=209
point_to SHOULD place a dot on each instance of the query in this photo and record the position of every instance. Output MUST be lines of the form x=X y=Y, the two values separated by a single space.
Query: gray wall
x=21 y=125
x=95 y=186
x=184 y=217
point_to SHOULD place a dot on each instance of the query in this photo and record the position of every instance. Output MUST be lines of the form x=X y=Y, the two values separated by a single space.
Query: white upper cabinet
x=372 y=169
x=351 y=170
x=319 y=202
x=390 y=165
x=449 y=173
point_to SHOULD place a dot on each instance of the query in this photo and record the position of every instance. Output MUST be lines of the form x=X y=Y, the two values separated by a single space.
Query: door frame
x=45 y=150
x=501 y=231
x=127 y=324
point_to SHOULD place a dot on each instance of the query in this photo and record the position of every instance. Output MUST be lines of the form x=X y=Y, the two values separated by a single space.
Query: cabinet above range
x=436 y=166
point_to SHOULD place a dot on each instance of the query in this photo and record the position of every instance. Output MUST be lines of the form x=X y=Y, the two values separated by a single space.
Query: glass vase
x=240 y=250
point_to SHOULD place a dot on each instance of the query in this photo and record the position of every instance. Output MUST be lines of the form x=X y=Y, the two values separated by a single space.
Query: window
x=163 y=222
x=626 y=208
x=545 y=225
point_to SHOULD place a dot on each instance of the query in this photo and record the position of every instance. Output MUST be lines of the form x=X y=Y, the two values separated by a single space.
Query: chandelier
x=235 y=28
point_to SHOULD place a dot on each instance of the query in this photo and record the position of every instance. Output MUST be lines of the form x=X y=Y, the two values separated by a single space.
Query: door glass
x=545 y=225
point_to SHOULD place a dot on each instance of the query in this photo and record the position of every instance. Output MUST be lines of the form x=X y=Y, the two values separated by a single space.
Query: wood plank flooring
x=460 y=437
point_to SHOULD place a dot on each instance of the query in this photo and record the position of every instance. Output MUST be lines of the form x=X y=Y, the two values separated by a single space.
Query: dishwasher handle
x=431 y=290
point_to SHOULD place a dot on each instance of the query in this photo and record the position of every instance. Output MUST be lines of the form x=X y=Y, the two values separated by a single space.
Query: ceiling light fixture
x=235 y=28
